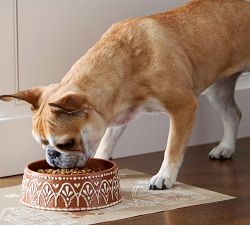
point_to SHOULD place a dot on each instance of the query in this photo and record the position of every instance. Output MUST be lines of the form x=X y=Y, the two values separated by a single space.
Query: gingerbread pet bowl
x=71 y=192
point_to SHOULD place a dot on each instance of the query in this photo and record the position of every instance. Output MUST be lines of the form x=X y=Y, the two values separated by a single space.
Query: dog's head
x=64 y=122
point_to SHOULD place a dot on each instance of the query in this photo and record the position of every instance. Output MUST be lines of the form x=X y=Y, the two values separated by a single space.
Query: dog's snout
x=53 y=153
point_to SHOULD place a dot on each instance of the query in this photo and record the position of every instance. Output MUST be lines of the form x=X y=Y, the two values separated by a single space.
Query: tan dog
x=158 y=63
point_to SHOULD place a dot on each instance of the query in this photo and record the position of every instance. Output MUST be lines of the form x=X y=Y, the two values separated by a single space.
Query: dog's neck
x=108 y=74
x=102 y=91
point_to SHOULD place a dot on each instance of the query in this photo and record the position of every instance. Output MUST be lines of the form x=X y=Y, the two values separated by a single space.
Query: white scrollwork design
x=48 y=194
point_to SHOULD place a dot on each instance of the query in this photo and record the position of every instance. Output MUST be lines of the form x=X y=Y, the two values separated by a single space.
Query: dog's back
x=205 y=39
x=215 y=35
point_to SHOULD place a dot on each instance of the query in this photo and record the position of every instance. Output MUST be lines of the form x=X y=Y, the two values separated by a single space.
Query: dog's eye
x=66 y=145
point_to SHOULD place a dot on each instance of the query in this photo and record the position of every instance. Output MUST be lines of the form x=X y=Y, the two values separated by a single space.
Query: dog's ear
x=30 y=96
x=72 y=102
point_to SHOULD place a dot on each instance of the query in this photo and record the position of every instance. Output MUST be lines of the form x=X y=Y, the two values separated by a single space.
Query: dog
x=153 y=64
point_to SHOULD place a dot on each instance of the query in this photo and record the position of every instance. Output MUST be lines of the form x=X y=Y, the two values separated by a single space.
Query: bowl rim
x=111 y=169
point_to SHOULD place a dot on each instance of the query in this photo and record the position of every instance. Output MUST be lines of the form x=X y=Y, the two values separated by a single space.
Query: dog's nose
x=53 y=153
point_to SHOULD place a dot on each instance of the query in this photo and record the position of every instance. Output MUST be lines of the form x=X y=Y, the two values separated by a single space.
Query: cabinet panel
x=7 y=52
x=7 y=68
x=18 y=148
x=54 y=34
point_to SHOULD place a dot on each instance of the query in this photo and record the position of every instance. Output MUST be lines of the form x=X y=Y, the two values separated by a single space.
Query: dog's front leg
x=108 y=142
x=181 y=124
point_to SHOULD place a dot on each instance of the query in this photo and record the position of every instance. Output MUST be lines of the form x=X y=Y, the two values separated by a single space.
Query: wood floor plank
x=230 y=177
x=10 y=181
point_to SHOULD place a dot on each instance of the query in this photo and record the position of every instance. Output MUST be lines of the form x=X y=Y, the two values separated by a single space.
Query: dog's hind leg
x=221 y=96
x=108 y=142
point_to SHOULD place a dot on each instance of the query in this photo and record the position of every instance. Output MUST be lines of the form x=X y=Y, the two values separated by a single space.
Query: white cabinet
x=7 y=48
x=17 y=146
x=41 y=39
x=7 y=52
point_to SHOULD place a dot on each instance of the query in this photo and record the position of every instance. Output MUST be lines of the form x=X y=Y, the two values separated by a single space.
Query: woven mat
x=137 y=200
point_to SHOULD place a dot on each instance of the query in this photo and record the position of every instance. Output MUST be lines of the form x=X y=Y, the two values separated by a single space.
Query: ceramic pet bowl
x=74 y=192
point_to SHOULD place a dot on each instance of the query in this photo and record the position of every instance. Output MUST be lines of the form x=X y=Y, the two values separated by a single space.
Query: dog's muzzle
x=64 y=160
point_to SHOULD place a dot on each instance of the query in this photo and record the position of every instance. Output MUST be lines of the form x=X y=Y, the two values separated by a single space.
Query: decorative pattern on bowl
x=71 y=192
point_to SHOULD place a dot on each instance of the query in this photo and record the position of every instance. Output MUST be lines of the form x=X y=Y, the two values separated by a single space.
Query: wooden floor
x=230 y=177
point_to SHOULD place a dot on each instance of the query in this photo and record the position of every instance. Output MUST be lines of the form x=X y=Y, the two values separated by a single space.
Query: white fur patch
x=37 y=138
x=86 y=142
x=51 y=140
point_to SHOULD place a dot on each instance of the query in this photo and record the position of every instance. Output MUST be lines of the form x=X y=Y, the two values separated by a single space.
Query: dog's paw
x=159 y=182
x=221 y=152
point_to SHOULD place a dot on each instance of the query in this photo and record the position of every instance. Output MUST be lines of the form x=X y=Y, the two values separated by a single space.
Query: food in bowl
x=69 y=171
x=71 y=192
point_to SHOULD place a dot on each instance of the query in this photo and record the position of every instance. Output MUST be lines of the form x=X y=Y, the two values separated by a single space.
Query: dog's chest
x=152 y=106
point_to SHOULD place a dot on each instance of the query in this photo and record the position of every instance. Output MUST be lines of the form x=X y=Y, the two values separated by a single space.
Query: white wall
x=54 y=34
x=41 y=39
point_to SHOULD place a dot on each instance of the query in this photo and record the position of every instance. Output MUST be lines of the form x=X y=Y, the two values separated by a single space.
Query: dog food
x=68 y=171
